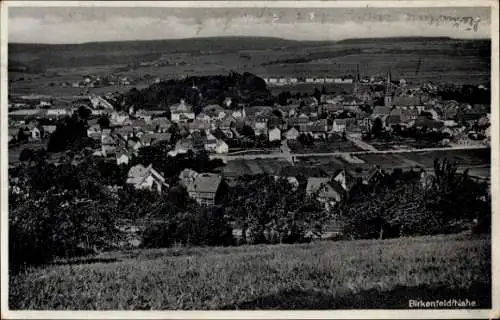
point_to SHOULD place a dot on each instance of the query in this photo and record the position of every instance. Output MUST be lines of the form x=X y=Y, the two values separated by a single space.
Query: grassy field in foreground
x=326 y=275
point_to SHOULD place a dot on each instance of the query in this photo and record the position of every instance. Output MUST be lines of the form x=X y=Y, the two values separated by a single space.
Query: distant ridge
x=22 y=55
x=243 y=38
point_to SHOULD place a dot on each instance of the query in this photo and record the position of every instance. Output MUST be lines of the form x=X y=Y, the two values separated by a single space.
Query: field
x=333 y=144
x=236 y=168
x=441 y=59
x=323 y=275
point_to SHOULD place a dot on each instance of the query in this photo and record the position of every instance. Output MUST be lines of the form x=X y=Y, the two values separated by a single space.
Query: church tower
x=388 y=93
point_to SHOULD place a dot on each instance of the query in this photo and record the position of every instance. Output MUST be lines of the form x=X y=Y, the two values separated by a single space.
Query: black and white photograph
x=238 y=156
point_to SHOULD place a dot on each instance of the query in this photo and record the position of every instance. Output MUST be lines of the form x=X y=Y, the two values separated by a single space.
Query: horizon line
x=249 y=37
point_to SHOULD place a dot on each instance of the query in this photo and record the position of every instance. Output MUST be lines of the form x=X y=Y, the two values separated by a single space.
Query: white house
x=260 y=127
x=239 y=114
x=122 y=157
x=339 y=125
x=57 y=112
x=210 y=143
x=36 y=134
x=221 y=147
x=292 y=134
x=146 y=178
x=119 y=118
x=274 y=134
x=181 y=111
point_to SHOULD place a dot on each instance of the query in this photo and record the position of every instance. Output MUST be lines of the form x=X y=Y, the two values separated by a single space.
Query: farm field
x=322 y=275
x=446 y=60
x=398 y=143
x=473 y=157
x=333 y=144
x=237 y=168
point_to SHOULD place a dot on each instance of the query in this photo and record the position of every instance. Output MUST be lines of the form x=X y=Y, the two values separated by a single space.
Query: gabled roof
x=406 y=101
x=160 y=121
x=340 y=122
x=139 y=173
x=160 y=137
x=324 y=187
x=181 y=107
x=380 y=110
x=205 y=183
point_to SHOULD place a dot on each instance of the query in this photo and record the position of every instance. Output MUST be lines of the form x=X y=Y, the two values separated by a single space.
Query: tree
x=271 y=210
x=83 y=113
x=377 y=127
x=21 y=137
x=27 y=154
x=317 y=94
x=247 y=131
x=103 y=122
x=283 y=98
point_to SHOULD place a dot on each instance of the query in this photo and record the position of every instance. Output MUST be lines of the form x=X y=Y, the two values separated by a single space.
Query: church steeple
x=388 y=91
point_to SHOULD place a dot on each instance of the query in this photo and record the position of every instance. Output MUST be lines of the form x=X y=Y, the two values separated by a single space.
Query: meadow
x=321 y=275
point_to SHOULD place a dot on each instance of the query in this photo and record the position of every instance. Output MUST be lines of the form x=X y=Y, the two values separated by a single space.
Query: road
x=285 y=153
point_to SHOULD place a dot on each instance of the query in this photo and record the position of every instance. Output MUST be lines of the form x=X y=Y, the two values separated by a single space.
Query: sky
x=91 y=24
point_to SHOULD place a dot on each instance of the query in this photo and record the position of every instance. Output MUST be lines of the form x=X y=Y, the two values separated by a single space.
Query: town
x=246 y=171
x=331 y=140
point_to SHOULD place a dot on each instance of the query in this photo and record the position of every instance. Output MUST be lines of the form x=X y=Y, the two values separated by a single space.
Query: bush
x=198 y=226
x=58 y=225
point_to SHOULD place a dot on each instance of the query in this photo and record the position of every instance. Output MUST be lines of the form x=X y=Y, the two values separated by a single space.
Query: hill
x=126 y=52
x=330 y=275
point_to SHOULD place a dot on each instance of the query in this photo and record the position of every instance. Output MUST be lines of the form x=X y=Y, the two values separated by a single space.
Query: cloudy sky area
x=77 y=24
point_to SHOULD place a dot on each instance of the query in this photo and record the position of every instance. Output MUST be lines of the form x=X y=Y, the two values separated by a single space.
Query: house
x=123 y=156
x=380 y=112
x=202 y=116
x=206 y=188
x=215 y=112
x=182 y=147
x=339 y=125
x=325 y=190
x=108 y=145
x=119 y=118
x=199 y=125
x=146 y=178
x=160 y=137
x=332 y=108
x=160 y=124
x=275 y=121
x=221 y=147
x=345 y=179
x=210 y=143
x=274 y=134
x=58 y=112
x=292 y=134
x=434 y=114
x=13 y=133
x=423 y=122
x=227 y=102
x=125 y=131
x=187 y=176
x=49 y=129
x=35 y=134
x=260 y=126
x=303 y=119
x=181 y=112
x=318 y=129
x=239 y=114
x=226 y=123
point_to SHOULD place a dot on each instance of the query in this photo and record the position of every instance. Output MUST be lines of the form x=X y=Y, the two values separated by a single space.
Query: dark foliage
x=200 y=91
